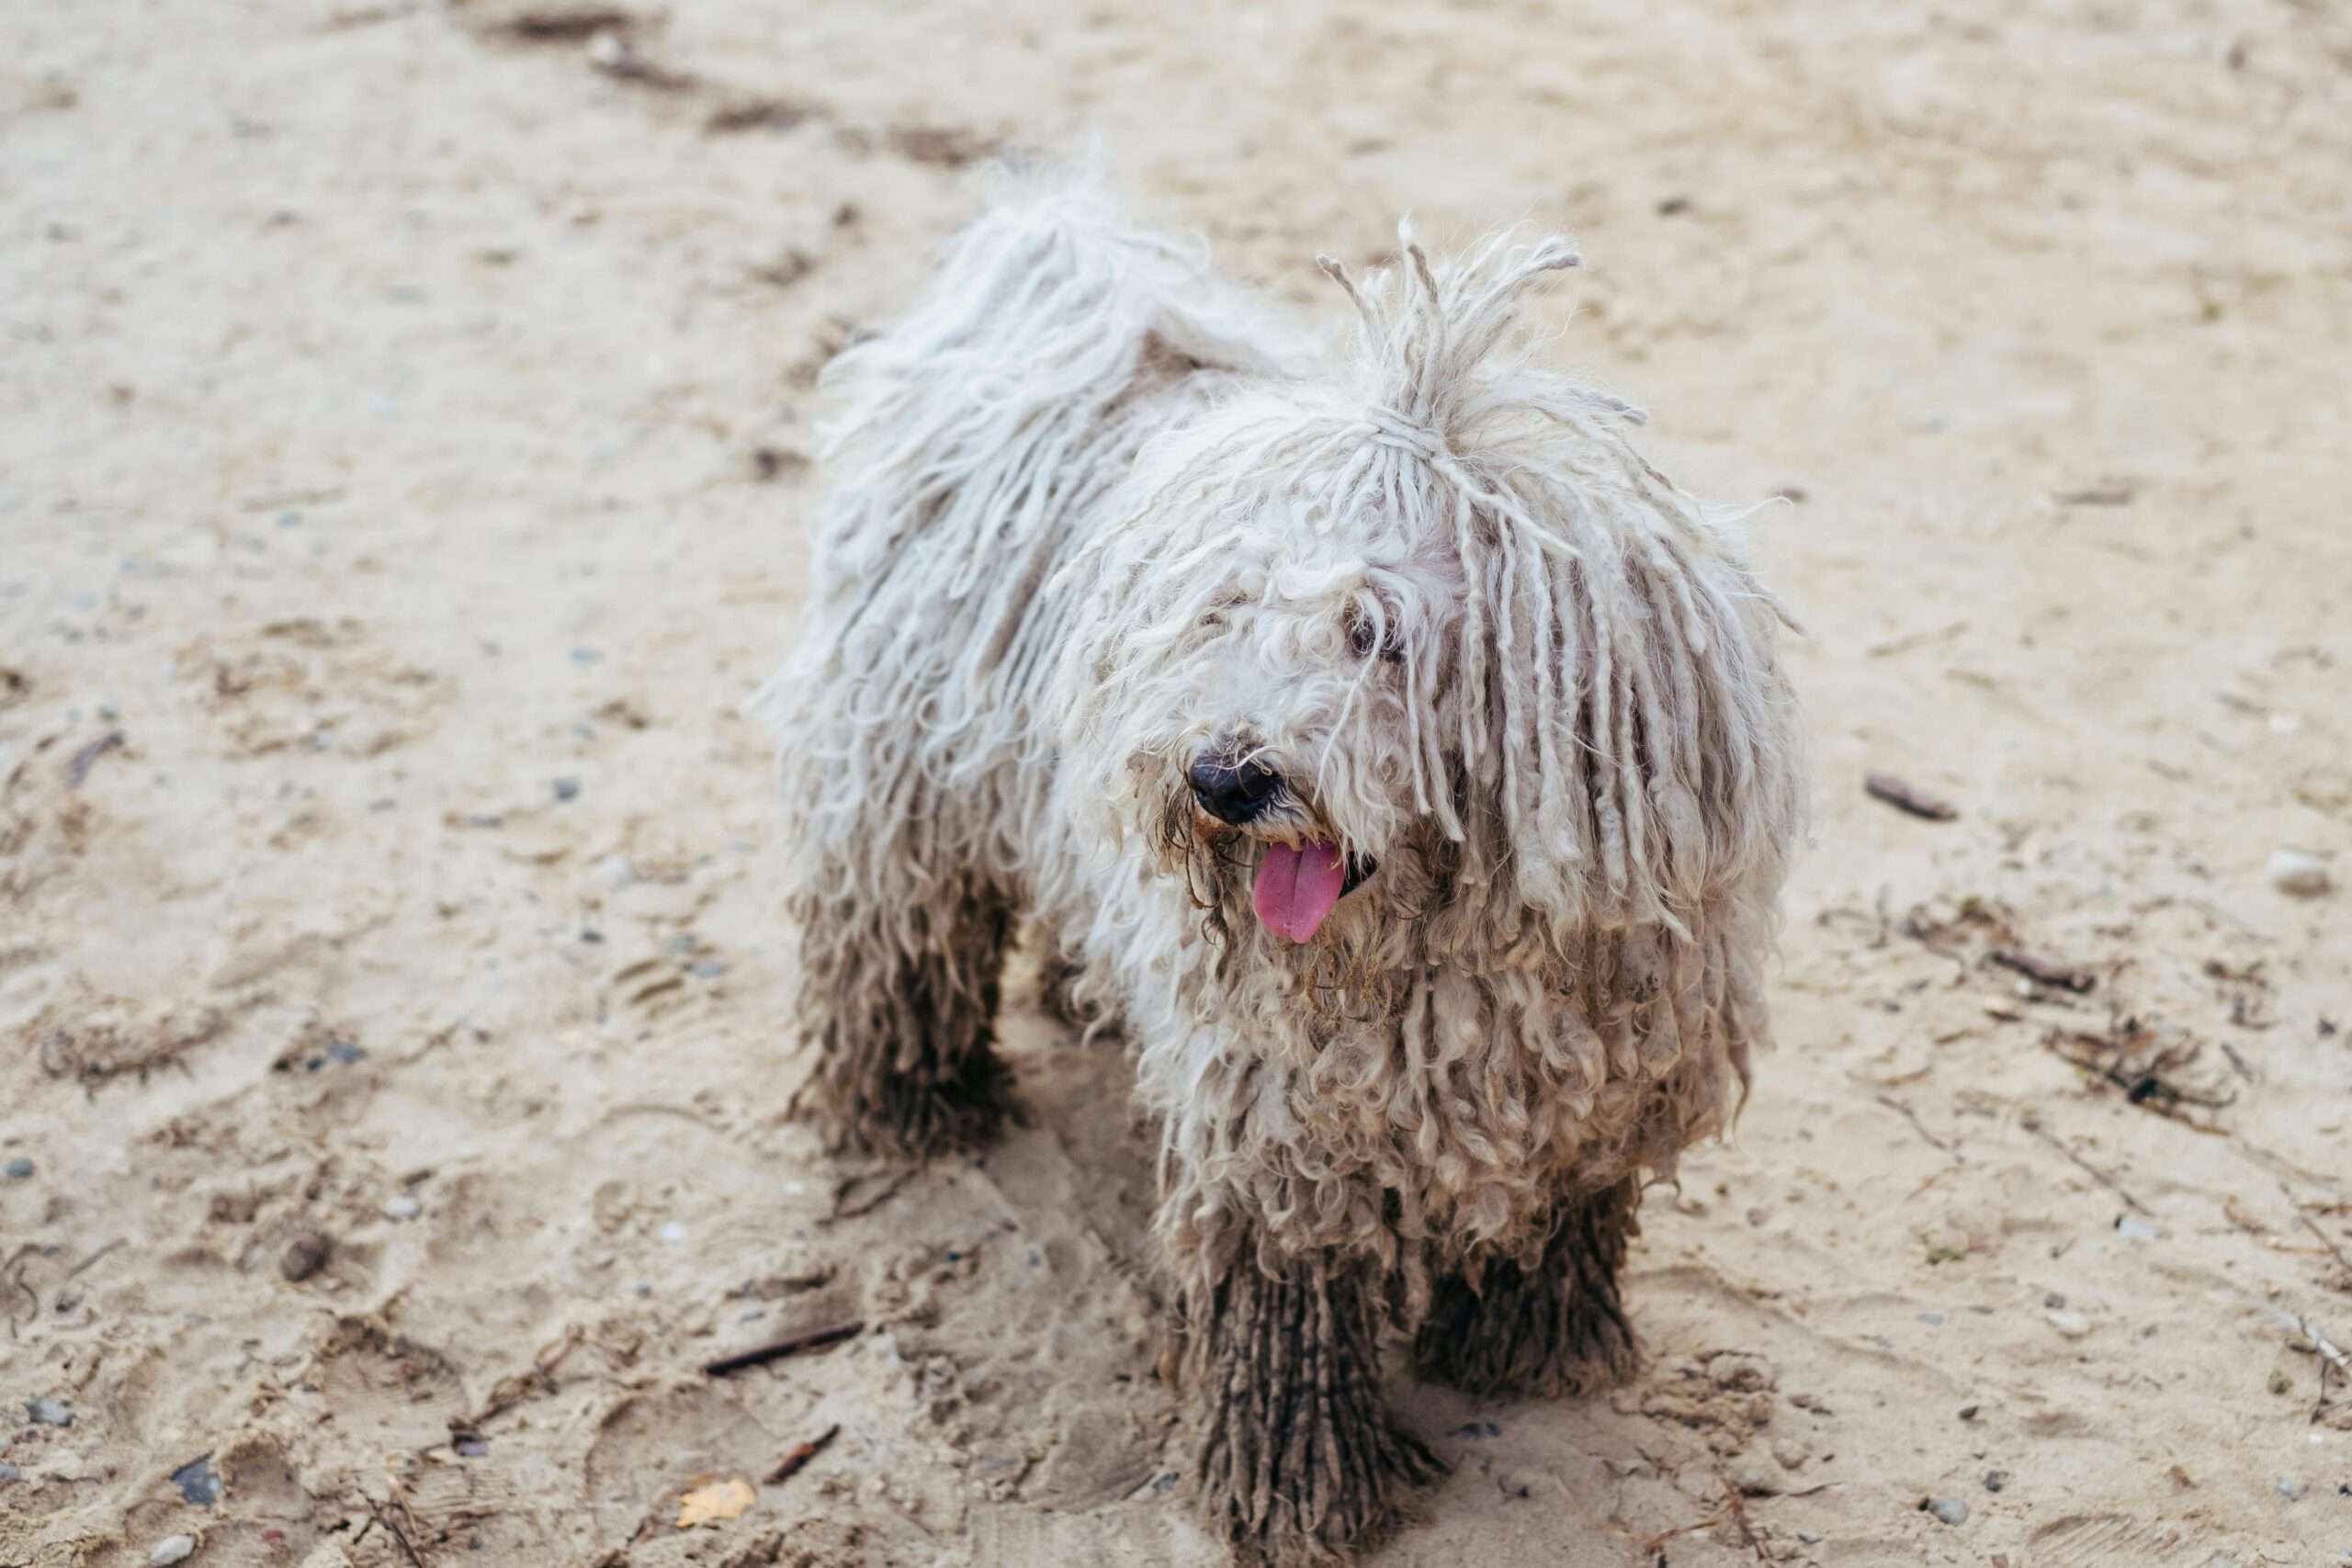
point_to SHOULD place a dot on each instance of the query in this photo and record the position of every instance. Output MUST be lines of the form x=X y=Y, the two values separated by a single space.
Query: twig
x=79 y=768
x=77 y=1270
x=867 y=1204
x=14 y=1272
x=407 y=1549
x=2310 y=1224
x=2319 y=1341
x=1904 y=797
x=1912 y=1116
x=2046 y=971
x=1738 y=1506
x=798 y=1344
x=1914 y=639
x=2094 y=1172
x=791 y=1463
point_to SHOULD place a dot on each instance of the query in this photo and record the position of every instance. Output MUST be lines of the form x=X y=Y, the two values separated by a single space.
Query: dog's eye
x=1365 y=639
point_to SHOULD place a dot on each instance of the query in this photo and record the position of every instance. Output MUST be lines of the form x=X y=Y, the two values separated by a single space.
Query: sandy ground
x=402 y=482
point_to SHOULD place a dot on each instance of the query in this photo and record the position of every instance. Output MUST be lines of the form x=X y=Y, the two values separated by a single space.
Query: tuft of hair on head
x=1426 y=333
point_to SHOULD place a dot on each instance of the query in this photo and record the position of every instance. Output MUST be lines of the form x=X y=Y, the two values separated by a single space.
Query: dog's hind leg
x=898 y=993
x=1300 y=1460
x=1556 y=1329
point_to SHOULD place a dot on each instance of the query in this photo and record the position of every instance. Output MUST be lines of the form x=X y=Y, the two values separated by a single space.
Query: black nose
x=1231 y=793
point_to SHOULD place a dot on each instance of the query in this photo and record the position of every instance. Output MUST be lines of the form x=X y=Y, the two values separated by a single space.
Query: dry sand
x=386 y=545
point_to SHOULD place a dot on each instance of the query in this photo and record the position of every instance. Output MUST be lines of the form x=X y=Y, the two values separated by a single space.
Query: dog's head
x=1419 y=657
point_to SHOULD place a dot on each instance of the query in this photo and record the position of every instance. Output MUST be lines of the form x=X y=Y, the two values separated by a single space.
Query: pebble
x=2291 y=870
x=2073 y=1325
x=2290 y=1489
x=2138 y=1230
x=674 y=1233
x=1951 y=1510
x=1810 y=1537
x=304 y=1256
x=567 y=789
x=345 y=1051
x=172 y=1548
x=197 y=1482
x=48 y=1412
x=9 y=1473
x=403 y=1208
x=17 y=1170
x=472 y=1448
x=1995 y=1479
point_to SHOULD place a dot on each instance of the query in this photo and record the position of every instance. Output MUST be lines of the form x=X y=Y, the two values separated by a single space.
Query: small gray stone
x=2073 y=1325
x=403 y=1208
x=1810 y=1537
x=197 y=1482
x=1951 y=1510
x=9 y=1473
x=17 y=1170
x=304 y=1256
x=1995 y=1479
x=2305 y=877
x=2291 y=1489
x=567 y=789
x=172 y=1548
x=48 y=1412
x=2138 y=1230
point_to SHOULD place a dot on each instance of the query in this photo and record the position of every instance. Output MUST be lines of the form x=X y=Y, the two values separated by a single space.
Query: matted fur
x=1094 y=511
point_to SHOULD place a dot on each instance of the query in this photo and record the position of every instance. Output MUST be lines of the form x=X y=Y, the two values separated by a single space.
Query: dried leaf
x=720 y=1501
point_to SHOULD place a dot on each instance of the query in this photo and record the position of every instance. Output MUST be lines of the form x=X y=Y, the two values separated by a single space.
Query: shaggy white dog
x=1396 y=759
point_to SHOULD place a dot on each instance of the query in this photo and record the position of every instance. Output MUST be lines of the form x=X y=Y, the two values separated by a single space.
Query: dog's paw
x=1508 y=1344
x=1336 y=1486
x=907 y=1116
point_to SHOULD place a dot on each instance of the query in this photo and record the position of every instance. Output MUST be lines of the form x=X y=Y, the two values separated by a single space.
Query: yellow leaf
x=718 y=1501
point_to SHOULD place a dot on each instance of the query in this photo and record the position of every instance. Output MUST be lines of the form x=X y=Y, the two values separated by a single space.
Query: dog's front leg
x=1556 y=1329
x=1300 y=1460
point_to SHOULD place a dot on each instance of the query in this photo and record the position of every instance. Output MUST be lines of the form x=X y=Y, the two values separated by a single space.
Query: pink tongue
x=1298 y=887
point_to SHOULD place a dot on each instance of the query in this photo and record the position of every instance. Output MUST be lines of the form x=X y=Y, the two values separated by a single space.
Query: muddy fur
x=1096 y=513
x=1556 y=1328
x=1298 y=1456
x=913 y=1070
